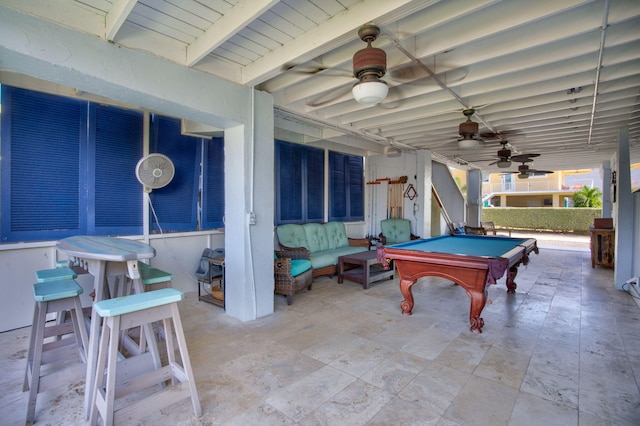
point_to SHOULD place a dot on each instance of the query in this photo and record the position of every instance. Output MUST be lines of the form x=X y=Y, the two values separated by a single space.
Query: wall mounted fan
x=154 y=171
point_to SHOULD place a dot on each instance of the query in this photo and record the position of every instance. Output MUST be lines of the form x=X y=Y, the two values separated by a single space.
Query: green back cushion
x=396 y=230
x=316 y=237
x=292 y=236
x=337 y=234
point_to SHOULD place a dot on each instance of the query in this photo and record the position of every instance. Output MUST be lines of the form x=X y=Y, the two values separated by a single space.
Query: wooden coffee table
x=367 y=269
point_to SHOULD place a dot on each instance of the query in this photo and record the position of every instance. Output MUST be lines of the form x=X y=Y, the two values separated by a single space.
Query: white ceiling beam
x=334 y=32
x=116 y=17
x=226 y=27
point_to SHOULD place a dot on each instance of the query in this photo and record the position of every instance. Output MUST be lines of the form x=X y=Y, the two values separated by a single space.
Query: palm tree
x=587 y=197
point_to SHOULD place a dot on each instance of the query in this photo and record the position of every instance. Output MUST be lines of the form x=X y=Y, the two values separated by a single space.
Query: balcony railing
x=532 y=184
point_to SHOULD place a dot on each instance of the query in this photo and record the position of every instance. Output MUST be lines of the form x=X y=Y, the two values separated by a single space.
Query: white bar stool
x=54 y=296
x=127 y=377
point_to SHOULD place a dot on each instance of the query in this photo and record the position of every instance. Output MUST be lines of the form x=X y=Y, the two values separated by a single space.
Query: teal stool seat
x=151 y=275
x=54 y=290
x=64 y=273
x=152 y=278
x=126 y=401
x=137 y=302
x=54 y=296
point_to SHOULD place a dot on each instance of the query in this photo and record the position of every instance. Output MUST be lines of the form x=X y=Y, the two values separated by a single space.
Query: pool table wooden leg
x=511 y=276
x=478 y=300
x=407 y=304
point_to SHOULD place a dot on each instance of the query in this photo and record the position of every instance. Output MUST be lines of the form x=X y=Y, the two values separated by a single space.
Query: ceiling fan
x=524 y=171
x=505 y=158
x=369 y=65
x=468 y=131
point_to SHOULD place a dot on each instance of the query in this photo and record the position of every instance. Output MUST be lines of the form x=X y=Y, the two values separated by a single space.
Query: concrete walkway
x=555 y=240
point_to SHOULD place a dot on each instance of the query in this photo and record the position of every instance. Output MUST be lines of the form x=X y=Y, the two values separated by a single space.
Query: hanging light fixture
x=467 y=142
x=369 y=65
x=468 y=130
x=504 y=163
x=370 y=92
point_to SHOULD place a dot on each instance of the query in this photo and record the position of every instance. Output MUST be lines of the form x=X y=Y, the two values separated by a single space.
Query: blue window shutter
x=337 y=187
x=213 y=185
x=346 y=187
x=115 y=135
x=37 y=126
x=315 y=185
x=288 y=183
x=176 y=204
x=356 y=188
x=299 y=183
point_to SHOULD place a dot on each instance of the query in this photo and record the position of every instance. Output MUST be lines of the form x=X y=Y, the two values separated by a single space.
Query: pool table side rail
x=495 y=266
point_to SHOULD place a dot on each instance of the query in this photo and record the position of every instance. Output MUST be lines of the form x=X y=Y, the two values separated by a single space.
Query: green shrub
x=558 y=219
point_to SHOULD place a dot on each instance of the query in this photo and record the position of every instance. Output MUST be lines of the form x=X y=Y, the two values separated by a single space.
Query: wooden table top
x=105 y=248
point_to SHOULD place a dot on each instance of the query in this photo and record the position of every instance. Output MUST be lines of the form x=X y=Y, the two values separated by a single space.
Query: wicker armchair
x=285 y=265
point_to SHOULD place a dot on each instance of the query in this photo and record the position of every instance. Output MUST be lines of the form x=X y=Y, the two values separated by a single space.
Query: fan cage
x=155 y=171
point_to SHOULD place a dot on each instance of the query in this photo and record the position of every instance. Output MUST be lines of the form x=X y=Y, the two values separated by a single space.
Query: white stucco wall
x=38 y=49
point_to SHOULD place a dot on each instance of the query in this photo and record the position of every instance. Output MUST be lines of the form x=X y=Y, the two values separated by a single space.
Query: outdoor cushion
x=298 y=266
x=396 y=230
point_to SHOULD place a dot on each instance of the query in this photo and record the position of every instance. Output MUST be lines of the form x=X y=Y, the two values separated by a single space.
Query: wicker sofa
x=321 y=243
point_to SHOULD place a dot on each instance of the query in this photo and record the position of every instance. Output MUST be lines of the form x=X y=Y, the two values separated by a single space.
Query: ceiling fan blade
x=393 y=100
x=524 y=158
x=533 y=172
x=313 y=70
x=500 y=134
x=328 y=97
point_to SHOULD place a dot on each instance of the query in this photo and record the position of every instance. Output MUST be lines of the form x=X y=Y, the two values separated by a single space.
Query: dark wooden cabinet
x=603 y=243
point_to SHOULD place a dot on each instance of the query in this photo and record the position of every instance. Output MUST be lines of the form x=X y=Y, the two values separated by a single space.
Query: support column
x=249 y=213
x=623 y=269
x=423 y=182
x=474 y=197
x=607 y=206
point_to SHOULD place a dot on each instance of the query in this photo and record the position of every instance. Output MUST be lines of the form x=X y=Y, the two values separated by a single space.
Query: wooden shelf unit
x=603 y=243
x=215 y=279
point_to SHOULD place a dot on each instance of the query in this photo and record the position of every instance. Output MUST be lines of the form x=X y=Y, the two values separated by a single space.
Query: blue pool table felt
x=468 y=245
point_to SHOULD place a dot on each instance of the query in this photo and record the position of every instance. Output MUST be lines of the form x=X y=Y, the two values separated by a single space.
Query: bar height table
x=103 y=257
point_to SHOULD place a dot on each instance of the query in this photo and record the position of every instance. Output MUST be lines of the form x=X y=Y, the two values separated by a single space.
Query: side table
x=367 y=269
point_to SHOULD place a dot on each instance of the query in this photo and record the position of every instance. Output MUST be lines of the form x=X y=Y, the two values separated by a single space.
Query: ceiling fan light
x=370 y=92
x=523 y=175
x=467 y=143
x=503 y=164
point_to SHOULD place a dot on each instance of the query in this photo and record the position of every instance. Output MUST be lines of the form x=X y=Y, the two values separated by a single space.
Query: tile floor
x=564 y=350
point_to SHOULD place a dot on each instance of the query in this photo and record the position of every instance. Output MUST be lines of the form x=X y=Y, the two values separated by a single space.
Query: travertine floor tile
x=563 y=350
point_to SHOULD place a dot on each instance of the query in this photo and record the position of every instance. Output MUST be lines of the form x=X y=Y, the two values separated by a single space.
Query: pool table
x=471 y=261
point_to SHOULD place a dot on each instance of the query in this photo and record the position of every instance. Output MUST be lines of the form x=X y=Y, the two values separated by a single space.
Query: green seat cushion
x=298 y=266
